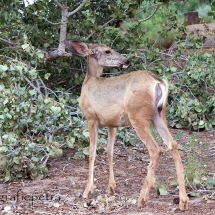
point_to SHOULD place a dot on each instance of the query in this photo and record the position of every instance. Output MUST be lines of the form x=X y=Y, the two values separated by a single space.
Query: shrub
x=32 y=123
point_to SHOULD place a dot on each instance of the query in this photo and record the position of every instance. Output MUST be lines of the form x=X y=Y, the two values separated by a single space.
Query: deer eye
x=108 y=52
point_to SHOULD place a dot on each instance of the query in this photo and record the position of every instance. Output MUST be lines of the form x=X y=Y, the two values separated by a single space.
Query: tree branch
x=90 y=35
x=6 y=41
x=60 y=51
x=29 y=82
x=78 y=8
x=143 y=20
x=58 y=4
x=53 y=23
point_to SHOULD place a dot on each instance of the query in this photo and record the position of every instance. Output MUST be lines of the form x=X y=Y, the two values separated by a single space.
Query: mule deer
x=132 y=99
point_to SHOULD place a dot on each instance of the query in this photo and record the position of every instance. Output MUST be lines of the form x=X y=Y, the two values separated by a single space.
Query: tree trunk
x=191 y=18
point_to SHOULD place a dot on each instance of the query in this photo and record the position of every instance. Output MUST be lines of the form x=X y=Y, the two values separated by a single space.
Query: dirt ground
x=60 y=192
x=207 y=30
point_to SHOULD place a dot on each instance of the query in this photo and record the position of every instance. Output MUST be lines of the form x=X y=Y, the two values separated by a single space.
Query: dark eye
x=108 y=52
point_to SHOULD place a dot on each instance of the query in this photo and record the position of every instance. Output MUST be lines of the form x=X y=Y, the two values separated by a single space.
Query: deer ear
x=78 y=48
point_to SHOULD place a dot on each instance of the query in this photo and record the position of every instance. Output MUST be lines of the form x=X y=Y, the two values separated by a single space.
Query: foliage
x=192 y=97
x=195 y=167
x=196 y=172
x=203 y=11
x=32 y=123
x=161 y=187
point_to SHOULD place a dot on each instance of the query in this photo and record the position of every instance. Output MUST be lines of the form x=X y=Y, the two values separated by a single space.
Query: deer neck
x=93 y=67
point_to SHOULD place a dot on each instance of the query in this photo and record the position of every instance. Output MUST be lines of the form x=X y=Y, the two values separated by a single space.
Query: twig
x=184 y=85
x=78 y=8
x=144 y=8
x=53 y=23
x=6 y=41
x=90 y=35
x=190 y=184
x=66 y=67
x=143 y=20
x=65 y=166
x=43 y=85
x=29 y=82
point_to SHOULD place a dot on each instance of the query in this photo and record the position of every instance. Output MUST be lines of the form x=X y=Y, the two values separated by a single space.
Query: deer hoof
x=88 y=192
x=183 y=205
x=141 y=202
x=111 y=189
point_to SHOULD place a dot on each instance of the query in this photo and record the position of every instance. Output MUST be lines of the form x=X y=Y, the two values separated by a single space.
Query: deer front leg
x=155 y=153
x=93 y=130
x=110 y=148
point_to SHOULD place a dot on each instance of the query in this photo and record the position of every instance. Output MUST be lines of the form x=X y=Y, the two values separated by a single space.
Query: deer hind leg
x=93 y=130
x=143 y=130
x=110 y=148
x=160 y=124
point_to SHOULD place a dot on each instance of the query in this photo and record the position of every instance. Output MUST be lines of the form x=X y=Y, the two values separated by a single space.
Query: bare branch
x=78 y=8
x=53 y=23
x=58 y=4
x=31 y=84
x=102 y=27
x=6 y=41
x=143 y=20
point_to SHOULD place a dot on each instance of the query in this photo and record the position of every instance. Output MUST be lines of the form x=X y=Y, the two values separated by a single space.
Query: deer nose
x=127 y=62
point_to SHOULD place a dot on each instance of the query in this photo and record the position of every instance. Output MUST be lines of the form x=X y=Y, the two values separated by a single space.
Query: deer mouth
x=126 y=65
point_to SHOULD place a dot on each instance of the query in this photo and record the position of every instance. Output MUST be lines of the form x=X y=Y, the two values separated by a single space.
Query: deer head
x=104 y=55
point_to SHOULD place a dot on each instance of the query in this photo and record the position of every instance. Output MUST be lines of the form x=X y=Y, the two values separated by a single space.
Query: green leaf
x=173 y=69
x=197 y=181
x=47 y=100
x=174 y=182
x=3 y=149
x=70 y=141
x=2 y=87
x=35 y=159
x=9 y=116
x=162 y=190
x=25 y=46
x=6 y=101
x=198 y=109
x=47 y=75
x=16 y=160
x=194 y=194
x=133 y=201
x=32 y=92
x=178 y=125
x=86 y=133
x=33 y=73
x=18 y=68
x=210 y=183
x=55 y=110
x=40 y=54
x=206 y=145
x=178 y=135
x=201 y=122
x=3 y=68
x=58 y=152
x=86 y=151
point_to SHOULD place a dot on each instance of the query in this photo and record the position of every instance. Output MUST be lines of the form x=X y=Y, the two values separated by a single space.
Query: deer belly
x=114 y=120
